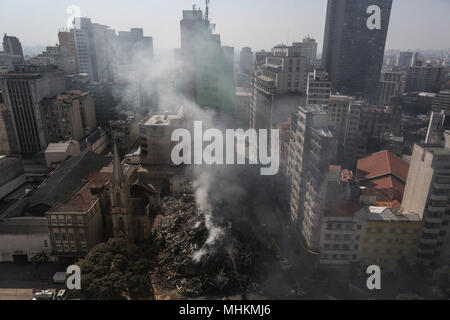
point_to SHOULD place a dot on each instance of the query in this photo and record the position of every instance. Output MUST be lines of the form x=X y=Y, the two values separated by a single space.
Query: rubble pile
x=233 y=264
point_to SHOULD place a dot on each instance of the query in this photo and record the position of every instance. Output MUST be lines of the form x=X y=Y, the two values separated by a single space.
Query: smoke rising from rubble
x=156 y=77
x=202 y=186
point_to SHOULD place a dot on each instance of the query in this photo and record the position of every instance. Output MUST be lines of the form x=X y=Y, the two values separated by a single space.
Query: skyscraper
x=23 y=92
x=12 y=45
x=207 y=66
x=354 y=43
x=95 y=50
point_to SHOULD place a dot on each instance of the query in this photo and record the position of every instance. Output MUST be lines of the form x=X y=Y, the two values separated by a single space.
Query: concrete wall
x=29 y=244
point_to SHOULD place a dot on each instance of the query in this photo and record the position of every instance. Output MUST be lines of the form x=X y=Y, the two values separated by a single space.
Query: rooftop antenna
x=207 y=10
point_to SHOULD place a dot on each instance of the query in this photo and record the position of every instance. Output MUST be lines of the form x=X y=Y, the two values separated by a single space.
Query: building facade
x=23 y=92
x=318 y=88
x=155 y=134
x=12 y=45
x=70 y=115
x=392 y=84
x=310 y=152
x=353 y=50
x=427 y=194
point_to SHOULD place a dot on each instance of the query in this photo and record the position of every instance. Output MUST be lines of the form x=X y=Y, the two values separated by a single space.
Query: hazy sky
x=260 y=24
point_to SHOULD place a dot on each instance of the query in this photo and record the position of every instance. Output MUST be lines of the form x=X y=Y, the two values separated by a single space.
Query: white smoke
x=158 y=76
x=202 y=186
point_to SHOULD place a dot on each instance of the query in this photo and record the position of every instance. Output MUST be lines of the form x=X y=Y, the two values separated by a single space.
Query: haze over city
x=257 y=24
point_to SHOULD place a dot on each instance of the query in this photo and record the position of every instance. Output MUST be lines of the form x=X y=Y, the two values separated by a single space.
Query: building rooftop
x=390 y=215
x=341 y=208
x=28 y=226
x=58 y=147
x=59 y=186
x=163 y=118
x=383 y=175
x=83 y=199
x=381 y=164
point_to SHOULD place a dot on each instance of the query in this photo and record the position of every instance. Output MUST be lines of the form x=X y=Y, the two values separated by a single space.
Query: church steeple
x=118 y=177
x=121 y=202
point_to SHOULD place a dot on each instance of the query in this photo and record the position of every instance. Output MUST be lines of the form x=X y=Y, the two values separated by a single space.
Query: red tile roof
x=385 y=174
x=381 y=164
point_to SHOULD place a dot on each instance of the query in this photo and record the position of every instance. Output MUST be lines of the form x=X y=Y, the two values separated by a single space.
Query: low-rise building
x=389 y=236
x=76 y=225
x=22 y=238
x=362 y=236
x=56 y=153
x=342 y=233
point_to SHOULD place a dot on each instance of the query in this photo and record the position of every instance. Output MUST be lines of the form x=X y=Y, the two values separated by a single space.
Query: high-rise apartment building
x=246 y=60
x=67 y=44
x=311 y=149
x=392 y=84
x=427 y=193
x=318 y=88
x=57 y=56
x=309 y=48
x=427 y=78
x=406 y=59
x=345 y=114
x=23 y=90
x=441 y=101
x=277 y=86
x=70 y=115
x=95 y=50
x=354 y=45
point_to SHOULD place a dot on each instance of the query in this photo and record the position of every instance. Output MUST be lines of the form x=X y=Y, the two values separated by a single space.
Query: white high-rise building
x=318 y=88
x=94 y=45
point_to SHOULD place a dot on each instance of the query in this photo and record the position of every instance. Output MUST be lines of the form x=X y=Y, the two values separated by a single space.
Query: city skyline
x=162 y=18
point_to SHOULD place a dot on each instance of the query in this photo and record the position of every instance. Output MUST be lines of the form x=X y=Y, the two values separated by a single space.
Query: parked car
x=44 y=295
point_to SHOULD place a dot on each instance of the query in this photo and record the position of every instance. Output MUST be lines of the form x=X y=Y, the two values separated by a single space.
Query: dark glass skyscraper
x=354 y=43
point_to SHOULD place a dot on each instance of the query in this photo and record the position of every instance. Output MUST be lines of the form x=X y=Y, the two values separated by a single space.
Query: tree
x=115 y=270
x=40 y=258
